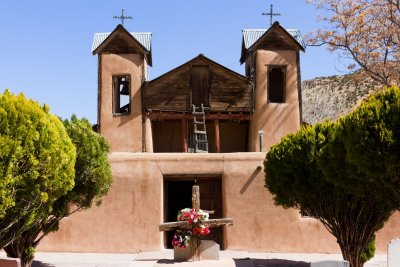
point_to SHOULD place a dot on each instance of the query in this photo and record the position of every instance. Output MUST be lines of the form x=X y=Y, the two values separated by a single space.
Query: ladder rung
x=200 y=135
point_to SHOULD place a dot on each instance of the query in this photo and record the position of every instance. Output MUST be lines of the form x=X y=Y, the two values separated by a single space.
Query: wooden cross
x=271 y=14
x=169 y=226
x=122 y=17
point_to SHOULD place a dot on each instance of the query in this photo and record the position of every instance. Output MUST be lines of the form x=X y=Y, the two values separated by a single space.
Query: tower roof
x=142 y=40
x=252 y=37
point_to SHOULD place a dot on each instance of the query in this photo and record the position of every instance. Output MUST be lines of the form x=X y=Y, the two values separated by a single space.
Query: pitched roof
x=199 y=57
x=252 y=36
x=142 y=39
x=231 y=91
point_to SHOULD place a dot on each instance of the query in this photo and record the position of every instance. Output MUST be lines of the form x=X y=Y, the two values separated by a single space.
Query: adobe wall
x=274 y=119
x=128 y=219
x=123 y=132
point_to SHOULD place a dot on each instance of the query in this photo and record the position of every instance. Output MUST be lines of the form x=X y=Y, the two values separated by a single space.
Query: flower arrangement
x=196 y=221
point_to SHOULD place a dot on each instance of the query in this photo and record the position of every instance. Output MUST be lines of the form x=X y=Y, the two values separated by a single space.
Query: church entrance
x=178 y=195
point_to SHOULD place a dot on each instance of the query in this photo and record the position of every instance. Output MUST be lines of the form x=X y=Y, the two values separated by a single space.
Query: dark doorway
x=178 y=195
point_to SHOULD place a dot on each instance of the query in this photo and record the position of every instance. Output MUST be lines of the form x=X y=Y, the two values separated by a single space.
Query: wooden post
x=148 y=135
x=196 y=247
x=217 y=141
x=196 y=197
x=196 y=207
x=184 y=136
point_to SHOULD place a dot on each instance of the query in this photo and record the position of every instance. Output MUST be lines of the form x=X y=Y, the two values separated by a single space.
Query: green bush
x=369 y=251
x=92 y=181
x=343 y=173
x=37 y=161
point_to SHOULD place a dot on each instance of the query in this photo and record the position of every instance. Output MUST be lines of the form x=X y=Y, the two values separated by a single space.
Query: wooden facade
x=200 y=80
x=226 y=95
x=277 y=39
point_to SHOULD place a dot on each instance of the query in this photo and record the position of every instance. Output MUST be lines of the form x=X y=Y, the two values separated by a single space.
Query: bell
x=125 y=88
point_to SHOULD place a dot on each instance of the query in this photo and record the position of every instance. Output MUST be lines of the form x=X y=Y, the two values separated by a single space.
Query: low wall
x=9 y=262
x=128 y=219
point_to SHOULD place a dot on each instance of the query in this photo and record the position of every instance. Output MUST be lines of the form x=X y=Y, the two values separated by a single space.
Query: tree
x=367 y=31
x=92 y=181
x=370 y=137
x=343 y=173
x=37 y=161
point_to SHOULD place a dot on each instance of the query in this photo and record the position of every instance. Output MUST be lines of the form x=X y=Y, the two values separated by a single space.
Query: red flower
x=206 y=230
x=196 y=230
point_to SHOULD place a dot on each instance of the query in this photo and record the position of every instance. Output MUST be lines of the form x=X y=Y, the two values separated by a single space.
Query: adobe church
x=198 y=123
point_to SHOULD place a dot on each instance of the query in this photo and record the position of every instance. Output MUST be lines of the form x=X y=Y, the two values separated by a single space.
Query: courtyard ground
x=164 y=258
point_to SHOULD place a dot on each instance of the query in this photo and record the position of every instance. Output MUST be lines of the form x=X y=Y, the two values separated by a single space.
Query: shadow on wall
x=269 y=263
x=250 y=180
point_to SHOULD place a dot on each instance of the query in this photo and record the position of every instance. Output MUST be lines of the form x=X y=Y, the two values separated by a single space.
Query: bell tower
x=123 y=58
x=272 y=61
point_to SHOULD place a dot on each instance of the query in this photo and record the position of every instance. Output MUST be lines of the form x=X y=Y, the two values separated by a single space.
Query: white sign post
x=393 y=256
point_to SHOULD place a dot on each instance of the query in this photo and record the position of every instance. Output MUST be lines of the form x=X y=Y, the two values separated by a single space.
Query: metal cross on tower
x=271 y=14
x=122 y=17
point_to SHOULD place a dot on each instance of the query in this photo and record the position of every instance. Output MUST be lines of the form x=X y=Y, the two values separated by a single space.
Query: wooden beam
x=219 y=222
x=165 y=115
x=184 y=136
x=209 y=211
x=196 y=197
x=170 y=226
x=217 y=141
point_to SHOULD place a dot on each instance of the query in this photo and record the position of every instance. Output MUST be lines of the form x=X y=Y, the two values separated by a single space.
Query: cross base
x=206 y=250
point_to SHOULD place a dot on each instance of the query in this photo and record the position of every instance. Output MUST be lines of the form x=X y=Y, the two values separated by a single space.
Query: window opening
x=276 y=84
x=121 y=94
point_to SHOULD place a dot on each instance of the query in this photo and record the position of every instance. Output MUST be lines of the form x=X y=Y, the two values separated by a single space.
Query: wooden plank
x=209 y=211
x=200 y=85
x=219 y=222
x=196 y=197
x=170 y=226
x=184 y=136
x=170 y=115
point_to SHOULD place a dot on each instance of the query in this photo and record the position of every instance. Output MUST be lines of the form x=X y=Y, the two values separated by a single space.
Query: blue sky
x=45 y=45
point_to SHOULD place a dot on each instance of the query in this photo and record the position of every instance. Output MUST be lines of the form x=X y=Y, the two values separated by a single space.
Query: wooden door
x=211 y=199
x=178 y=195
x=200 y=85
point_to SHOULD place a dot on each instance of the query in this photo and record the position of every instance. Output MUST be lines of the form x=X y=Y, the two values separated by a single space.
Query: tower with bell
x=123 y=59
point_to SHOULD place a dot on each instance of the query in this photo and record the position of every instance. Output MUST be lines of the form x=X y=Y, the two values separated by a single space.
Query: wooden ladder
x=199 y=130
